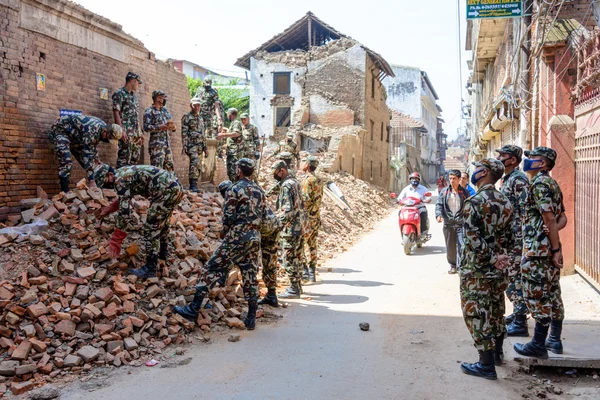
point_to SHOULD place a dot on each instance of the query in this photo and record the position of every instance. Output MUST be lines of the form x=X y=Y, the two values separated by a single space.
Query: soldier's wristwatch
x=554 y=251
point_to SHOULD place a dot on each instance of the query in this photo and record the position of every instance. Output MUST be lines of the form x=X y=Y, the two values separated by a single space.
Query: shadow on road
x=427 y=250
x=335 y=298
x=339 y=270
x=351 y=283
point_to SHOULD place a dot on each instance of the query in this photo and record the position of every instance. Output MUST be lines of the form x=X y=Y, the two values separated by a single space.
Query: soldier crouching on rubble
x=164 y=192
x=242 y=217
x=79 y=135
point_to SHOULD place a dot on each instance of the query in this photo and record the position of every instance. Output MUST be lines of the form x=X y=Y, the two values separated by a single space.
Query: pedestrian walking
x=464 y=182
x=484 y=256
x=449 y=210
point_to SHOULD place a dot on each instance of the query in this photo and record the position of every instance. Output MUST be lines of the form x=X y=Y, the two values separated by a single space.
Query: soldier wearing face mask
x=158 y=122
x=415 y=189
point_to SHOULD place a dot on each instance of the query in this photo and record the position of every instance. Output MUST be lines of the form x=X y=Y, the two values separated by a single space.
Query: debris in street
x=234 y=337
x=364 y=326
x=151 y=363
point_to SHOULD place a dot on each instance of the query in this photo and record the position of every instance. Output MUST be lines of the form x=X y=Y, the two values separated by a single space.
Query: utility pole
x=523 y=78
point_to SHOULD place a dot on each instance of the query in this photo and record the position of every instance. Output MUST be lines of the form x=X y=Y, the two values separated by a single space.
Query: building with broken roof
x=312 y=75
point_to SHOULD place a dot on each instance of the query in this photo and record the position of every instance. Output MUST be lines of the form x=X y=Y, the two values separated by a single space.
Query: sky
x=417 y=33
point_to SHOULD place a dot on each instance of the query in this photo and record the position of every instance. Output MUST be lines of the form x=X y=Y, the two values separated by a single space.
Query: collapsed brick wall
x=74 y=76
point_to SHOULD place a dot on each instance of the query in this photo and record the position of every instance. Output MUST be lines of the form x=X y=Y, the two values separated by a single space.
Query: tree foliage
x=230 y=95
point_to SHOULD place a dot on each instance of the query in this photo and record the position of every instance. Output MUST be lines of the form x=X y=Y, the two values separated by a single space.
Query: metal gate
x=587 y=200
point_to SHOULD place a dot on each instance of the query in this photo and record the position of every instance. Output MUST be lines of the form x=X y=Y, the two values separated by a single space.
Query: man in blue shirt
x=464 y=182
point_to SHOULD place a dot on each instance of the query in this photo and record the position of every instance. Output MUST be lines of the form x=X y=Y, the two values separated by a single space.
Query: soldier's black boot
x=554 y=342
x=292 y=292
x=499 y=352
x=537 y=346
x=270 y=299
x=190 y=311
x=305 y=274
x=64 y=184
x=164 y=253
x=518 y=327
x=194 y=185
x=484 y=368
x=250 y=320
x=148 y=270
x=312 y=273
x=510 y=319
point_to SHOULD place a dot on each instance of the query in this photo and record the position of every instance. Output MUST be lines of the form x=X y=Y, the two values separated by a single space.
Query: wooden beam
x=309 y=31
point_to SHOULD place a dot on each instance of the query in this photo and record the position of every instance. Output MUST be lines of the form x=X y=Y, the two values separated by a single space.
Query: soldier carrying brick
x=79 y=135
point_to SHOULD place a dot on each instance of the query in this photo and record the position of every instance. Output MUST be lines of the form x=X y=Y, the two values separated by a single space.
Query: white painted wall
x=262 y=114
x=404 y=90
x=188 y=68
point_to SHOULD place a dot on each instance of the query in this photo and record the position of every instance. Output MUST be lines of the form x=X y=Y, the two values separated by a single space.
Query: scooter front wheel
x=407 y=245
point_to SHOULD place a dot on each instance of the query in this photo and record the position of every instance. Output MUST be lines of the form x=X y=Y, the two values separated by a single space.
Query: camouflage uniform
x=242 y=218
x=287 y=157
x=289 y=211
x=486 y=234
x=78 y=135
x=127 y=104
x=235 y=149
x=159 y=146
x=164 y=192
x=208 y=98
x=312 y=195
x=541 y=278
x=251 y=141
x=193 y=141
x=289 y=146
x=269 y=246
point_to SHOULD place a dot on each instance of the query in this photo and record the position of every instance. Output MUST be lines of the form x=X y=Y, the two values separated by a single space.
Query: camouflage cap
x=116 y=131
x=158 y=93
x=232 y=110
x=547 y=152
x=512 y=150
x=224 y=187
x=100 y=173
x=244 y=115
x=285 y=155
x=490 y=163
x=312 y=161
x=133 y=75
x=279 y=165
x=246 y=163
x=290 y=135
x=207 y=81
x=195 y=100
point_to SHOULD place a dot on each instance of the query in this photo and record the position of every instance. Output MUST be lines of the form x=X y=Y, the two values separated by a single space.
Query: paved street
x=317 y=351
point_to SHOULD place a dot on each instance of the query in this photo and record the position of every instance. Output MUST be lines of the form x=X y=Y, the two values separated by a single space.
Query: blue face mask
x=529 y=165
x=474 y=178
x=414 y=183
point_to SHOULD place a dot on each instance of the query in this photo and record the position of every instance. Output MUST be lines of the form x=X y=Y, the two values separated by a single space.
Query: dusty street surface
x=317 y=351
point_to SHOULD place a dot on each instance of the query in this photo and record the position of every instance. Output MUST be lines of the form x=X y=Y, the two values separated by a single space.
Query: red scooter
x=409 y=219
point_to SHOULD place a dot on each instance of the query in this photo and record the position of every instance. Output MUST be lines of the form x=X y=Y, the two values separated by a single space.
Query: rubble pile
x=66 y=306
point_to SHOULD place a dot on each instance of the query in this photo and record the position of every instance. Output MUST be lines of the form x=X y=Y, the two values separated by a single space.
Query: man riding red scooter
x=413 y=219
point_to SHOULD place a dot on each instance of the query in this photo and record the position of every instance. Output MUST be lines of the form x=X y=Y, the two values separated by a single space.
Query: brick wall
x=74 y=76
x=580 y=10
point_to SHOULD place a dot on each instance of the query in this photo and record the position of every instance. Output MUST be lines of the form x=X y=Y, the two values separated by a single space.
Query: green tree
x=230 y=96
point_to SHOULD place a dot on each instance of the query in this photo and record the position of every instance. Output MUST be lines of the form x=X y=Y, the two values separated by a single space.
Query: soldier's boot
x=499 y=352
x=270 y=299
x=518 y=327
x=312 y=273
x=510 y=318
x=292 y=292
x=148 y=270
x=64 y=184
x=164 y=253
x=250 y=320
x=305 y=276
x=554 y=343
x=190 y=311
x=194 y=185
x=484 y=368
x=537 y=347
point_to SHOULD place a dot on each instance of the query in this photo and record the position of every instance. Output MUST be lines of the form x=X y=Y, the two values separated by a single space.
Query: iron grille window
x=281 y=82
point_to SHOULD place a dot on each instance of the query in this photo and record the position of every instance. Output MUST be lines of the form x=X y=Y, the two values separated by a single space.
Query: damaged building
x=327 y=88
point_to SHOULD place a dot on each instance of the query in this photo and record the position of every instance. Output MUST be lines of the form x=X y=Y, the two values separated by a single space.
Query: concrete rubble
x=67 y=307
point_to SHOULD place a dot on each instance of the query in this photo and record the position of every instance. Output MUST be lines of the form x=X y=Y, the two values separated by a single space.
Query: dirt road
x=317 y=351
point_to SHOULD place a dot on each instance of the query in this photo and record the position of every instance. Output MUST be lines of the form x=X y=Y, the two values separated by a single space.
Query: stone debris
x=364 y=326
x=66 y=306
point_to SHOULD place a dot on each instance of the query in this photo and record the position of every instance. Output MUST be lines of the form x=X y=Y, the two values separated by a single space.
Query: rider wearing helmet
x=415 y=189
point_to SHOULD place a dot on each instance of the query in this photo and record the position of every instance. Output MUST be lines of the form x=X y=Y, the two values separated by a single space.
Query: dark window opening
x=42 y=56
x=283 y=117
x=388 y=133
x=281 y=83
x=353 y=166
x=371 y=169
x=341 y=168
x=381 y=132
x=372 y=86
x=381 y=170
x=372 y=129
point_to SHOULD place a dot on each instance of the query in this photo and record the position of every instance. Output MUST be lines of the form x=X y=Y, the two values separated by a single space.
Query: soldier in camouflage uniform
x=312 y=195
x=79 y=135
x=242 y=217
x=234 y=146
x=193 y=141
x=210 y=106
x=488 y=236
x=290 y=213
x=250 y=138
x=157 y=121
x=542 y=255
x=126 y=114
x=289 y=146
x=269 y=246
x=164 y=192
x=286 y=156
x=515 y=186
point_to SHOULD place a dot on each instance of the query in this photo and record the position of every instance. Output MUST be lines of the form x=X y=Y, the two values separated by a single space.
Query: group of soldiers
x=510 y=240
x=254 y=234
